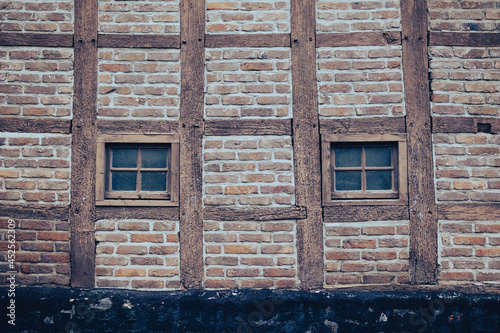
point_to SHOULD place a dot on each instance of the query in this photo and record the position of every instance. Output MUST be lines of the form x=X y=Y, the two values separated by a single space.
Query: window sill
x=137 y=203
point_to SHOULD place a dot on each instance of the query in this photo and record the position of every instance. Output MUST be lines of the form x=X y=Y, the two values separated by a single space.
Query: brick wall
x=36 y=82
x=137 y=254
x=131 y=16
x=250 y=16
x=467 y=167
x=350 y=16
x=469 y=252
x=42 y=251
x=139 y=83
x=36 y=16
x=34 y=168
x=465 y=81
x=458 y=15
x=248 y=171
x=248 y=83
x=250 y=254
x=360 y=81
x=366 y=252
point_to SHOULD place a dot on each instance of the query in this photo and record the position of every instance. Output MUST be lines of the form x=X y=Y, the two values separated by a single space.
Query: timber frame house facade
x=245 y=139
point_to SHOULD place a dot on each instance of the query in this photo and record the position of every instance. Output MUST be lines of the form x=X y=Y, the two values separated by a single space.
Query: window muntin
x=138 y=171
x=364 y=169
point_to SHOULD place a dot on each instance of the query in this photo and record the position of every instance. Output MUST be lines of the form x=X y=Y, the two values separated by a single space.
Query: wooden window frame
x=113 y=198
x=399 y=156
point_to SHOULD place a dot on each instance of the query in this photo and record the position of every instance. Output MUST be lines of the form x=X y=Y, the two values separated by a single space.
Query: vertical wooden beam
x=83 y=147
x=191 y=135
x=306 y=143
x=423 y=213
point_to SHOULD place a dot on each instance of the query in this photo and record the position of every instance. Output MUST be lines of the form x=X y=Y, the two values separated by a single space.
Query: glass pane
x=123 y=181
x=154 y=158
x=378 y=156
x=124 y=158
x=348 y=181
x=347 y=157
x=378 y=180
x=154 y=181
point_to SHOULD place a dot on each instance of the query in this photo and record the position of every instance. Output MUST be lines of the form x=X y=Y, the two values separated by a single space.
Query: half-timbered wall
x=250 y=88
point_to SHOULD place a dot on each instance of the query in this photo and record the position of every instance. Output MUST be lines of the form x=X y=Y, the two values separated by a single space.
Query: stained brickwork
x=458 y=15
x=138 y=254
x=141 y=17
x=250 y=254
x=251 y=16
x=248 y=171
x=360 y=81
x=34 y=168
x=465 y=81
x=36 y=16
x=366 y=252
x=467 y=167
x=350 y=16
x=36 y=82
x=470 y=252
x=41 y=251
x=248 y=83
x=139 y=83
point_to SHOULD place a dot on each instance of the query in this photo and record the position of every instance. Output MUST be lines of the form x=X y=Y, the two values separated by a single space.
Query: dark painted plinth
x=105 y=310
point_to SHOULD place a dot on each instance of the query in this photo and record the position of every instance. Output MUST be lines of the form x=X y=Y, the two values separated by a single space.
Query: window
x=364 y=169
x=137 y=170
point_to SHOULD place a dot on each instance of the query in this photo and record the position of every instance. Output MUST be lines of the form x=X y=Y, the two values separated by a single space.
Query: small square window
x=137 y=170
x=364 y=169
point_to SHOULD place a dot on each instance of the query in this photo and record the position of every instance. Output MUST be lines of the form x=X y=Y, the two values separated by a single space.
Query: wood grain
x=147 y=213
x=36 y=212
x=464 y=124
x=28 y=125
x=471 y=39
x=191 y=129
x=139 y=41
x=254 y=214
x=137 y=126
x=343 y=39
x=83 y=149
x=469 y=211
x=372 y=125
x=423 y=217
x=249 y=127
x=247 y=40
x=306 y=147
x=31 y=39
x=362 y=213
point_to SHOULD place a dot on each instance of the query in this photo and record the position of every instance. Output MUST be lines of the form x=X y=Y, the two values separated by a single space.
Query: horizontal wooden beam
x=465 y=125
x=248 y=40
x=151 y=213
x=343 y=39
x=30 y=39
x=483 y=39
x=37 y=212
x=42 y=125
x=249 y=127
x=373 y=125
x=364 y=213
x=469 y=211
x=139 y=41
x=254 y=214
x=137 y=126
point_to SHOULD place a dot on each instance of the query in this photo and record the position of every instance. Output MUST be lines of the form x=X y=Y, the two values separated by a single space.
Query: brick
x=160 y=250
x=240 y=249
x=121 y=272
x=131 y=249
